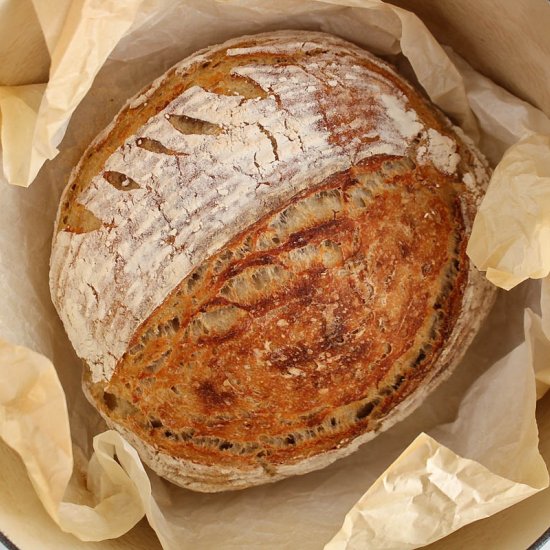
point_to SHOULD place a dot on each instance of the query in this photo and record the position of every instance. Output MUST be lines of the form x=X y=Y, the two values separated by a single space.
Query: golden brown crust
x=305 y=330
x=317 y=325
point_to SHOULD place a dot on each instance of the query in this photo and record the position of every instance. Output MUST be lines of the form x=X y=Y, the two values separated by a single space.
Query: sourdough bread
x=261 y=261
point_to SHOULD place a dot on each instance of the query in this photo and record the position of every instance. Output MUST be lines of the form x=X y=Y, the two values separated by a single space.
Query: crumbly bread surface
x=262 y=260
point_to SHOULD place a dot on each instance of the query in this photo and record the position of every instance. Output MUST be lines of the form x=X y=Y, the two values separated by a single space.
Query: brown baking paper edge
x=79 y=37
x=32 y=387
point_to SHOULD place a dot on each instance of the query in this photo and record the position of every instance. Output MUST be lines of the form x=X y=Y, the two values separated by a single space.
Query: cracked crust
x=262 y=261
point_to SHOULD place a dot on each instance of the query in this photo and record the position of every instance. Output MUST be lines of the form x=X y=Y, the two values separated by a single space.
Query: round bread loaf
x=261 y=261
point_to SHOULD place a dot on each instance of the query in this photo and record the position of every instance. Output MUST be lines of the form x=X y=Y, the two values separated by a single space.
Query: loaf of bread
x=261 y=261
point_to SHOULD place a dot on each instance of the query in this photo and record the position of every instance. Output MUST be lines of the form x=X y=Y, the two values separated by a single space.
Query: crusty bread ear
x=262 y=260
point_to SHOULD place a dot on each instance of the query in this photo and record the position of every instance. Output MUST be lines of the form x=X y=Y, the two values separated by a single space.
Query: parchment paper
x=413 y=484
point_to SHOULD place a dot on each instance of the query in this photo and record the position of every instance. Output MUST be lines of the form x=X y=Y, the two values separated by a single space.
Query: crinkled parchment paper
x=468 y=452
